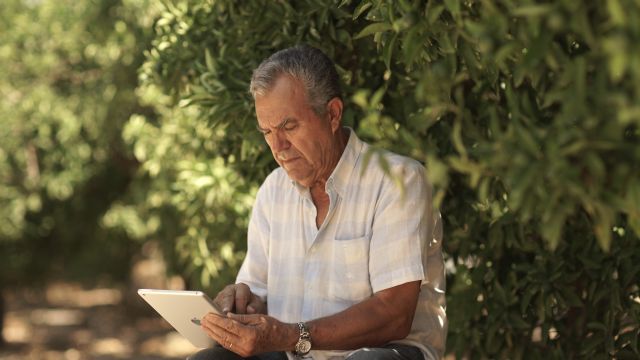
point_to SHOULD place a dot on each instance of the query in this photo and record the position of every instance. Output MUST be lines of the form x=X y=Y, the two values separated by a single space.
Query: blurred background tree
x=67 y=82
x=526 y=115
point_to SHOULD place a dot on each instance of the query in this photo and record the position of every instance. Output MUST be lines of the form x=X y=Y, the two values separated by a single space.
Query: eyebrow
x=279 y=126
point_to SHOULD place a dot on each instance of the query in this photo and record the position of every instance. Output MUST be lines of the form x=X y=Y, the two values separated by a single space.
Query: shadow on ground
x=65 y=321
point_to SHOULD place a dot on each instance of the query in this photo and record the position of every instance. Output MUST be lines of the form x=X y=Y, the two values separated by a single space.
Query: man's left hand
x=248 y=335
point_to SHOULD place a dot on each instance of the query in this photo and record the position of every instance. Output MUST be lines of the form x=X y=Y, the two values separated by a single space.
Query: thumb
x=246 y=319
x=251 y=309
x=241 y=318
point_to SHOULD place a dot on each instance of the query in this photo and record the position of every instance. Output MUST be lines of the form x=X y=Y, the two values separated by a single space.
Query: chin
x=304 y=181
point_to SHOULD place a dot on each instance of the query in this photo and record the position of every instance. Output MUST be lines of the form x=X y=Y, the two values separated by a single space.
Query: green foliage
x=525 y=113
x=66 y=88
x=188 y=197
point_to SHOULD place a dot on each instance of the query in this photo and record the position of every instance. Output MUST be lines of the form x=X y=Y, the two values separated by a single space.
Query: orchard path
x=64 y=321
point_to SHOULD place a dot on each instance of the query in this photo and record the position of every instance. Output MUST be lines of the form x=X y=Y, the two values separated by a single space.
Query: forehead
x=287 y=98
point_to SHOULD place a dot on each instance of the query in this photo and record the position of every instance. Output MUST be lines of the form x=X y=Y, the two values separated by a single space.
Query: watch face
x=303 y=346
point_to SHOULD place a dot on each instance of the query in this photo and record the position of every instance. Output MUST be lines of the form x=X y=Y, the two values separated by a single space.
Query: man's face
x=302 y=142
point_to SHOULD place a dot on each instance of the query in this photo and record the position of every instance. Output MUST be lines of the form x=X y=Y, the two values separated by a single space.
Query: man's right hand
x=238 y=299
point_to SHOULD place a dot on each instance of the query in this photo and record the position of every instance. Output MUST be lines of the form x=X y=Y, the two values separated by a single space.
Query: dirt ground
x=67 y=321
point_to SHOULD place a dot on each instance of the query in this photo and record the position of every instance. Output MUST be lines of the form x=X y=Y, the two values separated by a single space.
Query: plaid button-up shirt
x=374 y=237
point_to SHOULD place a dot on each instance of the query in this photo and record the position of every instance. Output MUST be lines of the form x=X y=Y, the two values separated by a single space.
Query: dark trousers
x=388 y=352
x=220 y=353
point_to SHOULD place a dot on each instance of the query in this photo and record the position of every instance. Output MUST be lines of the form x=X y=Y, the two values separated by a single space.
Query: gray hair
x=304 y=63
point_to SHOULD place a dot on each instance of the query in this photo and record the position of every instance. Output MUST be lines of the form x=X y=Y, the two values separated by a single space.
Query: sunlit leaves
x=66 y=87
x=525 y=114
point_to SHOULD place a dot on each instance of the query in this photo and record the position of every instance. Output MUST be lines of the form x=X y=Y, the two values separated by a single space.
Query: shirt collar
x=340 y=176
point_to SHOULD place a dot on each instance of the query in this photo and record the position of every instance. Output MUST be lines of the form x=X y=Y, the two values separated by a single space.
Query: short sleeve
x=400 y=228
x=254 y=269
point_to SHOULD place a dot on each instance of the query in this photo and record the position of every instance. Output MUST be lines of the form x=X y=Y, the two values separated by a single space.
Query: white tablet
x=183 y=310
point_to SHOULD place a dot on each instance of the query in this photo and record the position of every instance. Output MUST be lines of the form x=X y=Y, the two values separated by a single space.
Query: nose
x=279 y=141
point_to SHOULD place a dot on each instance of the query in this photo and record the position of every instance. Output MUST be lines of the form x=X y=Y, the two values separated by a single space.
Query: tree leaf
x=373 y=29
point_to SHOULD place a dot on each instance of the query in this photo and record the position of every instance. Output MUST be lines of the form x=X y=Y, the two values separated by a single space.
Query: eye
x=290 y=127
x=264 y=132
x=289 y=124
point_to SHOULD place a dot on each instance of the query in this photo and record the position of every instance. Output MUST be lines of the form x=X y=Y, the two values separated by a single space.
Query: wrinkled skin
x=239 y=299
x=248 y=335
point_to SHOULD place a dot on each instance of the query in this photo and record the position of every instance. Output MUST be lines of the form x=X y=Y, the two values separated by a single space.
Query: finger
x=256 y=305
x=223 y=331
x=241 y=318
x=248 y=319
x=215 y=332
x=212 y=317
x=226 y=298
x=222 y=323
x=220 y=328
x=242 y=296
x=224 y=338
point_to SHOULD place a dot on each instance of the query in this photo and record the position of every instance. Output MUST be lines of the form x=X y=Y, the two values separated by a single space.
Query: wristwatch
x=303 y=346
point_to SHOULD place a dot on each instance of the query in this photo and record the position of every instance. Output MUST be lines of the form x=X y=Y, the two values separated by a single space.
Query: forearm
x=373 y=322
x=385 y=316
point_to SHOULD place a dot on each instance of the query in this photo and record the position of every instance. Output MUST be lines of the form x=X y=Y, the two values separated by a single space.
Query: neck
x=340 y=143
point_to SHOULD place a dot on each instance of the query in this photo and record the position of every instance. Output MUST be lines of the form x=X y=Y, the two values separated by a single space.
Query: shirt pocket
x=350 y=271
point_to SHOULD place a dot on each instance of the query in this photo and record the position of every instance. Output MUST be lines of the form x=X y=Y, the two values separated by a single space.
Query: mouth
x=288 y=161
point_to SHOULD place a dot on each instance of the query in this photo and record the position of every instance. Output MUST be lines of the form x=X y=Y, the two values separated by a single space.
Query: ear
x=334 y=107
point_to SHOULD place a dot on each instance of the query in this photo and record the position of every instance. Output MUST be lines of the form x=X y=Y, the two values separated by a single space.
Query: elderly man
x=341 y=263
